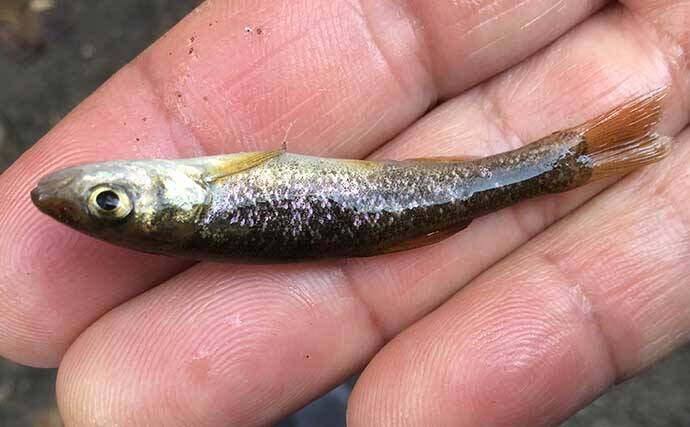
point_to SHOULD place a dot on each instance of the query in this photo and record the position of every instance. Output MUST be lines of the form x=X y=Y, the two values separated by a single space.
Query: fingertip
x=525 y=357
x=55 y=281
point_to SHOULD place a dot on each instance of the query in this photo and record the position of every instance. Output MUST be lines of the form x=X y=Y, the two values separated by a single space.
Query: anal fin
x=418 y=242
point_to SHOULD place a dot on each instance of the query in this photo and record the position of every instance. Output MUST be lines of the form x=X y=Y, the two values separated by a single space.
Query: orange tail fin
x=624 y=138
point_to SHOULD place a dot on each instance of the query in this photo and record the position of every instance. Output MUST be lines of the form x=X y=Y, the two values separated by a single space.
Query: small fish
x=277 y=206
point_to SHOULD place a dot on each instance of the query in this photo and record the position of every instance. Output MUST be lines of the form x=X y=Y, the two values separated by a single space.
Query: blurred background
x=53 y=53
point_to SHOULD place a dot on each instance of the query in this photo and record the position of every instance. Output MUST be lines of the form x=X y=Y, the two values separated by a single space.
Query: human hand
x=545 y=320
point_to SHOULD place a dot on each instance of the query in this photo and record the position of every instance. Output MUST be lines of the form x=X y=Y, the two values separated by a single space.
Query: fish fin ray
x=418 y=242
x=443 y=159
x=240 y=162
x=625 y=138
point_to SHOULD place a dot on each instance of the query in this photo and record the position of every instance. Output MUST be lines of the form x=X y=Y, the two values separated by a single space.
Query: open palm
x=505 y=324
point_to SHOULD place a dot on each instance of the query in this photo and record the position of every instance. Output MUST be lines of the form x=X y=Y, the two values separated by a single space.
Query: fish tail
x=625 y=138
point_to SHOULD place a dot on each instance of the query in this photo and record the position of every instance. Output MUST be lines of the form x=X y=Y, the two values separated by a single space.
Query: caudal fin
x=624 y=138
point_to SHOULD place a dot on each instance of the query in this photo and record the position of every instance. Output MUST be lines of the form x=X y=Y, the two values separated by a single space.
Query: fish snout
x=54 y=197
x=38 y=196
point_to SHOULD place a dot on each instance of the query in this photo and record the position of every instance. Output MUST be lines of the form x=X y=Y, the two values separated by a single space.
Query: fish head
x=147 y=205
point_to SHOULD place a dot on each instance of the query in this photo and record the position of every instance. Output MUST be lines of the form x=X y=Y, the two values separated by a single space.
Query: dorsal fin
x=225 y=166
x=443 y=159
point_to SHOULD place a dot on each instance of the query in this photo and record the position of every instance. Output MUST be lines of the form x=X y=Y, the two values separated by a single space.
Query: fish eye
x=109 y=202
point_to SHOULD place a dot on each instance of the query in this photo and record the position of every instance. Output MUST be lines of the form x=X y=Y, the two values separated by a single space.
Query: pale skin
x=504 y=324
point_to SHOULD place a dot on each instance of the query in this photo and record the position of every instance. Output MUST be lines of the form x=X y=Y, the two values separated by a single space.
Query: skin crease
x=596 y=298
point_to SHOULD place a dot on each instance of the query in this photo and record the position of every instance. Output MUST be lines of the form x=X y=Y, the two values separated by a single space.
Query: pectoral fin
x=225 y=166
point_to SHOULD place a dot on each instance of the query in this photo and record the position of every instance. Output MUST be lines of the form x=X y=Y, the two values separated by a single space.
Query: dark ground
x=51 y=58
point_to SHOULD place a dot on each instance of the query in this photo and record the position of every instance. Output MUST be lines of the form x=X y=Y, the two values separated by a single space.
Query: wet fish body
x=306 y=207
x=279 y=206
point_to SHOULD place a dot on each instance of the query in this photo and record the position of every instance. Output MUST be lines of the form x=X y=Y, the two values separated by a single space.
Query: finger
x=234 y=76
x=592 y=300
x=237 y=331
